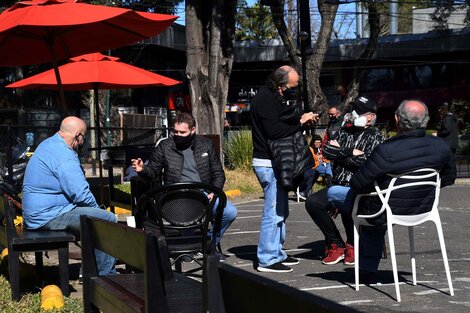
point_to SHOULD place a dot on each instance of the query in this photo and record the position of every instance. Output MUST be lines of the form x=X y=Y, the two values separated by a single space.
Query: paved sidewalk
x=336 y=282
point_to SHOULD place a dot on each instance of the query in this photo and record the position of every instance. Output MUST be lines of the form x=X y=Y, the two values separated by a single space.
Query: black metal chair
x=182 y=212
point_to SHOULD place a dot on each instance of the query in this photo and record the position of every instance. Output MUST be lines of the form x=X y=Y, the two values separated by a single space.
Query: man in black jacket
x=410 y=150
x=449 y=127
x=187 y=158
x=268 y=123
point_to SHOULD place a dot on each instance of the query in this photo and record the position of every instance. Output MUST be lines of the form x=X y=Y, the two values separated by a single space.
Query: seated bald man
x=55 y=190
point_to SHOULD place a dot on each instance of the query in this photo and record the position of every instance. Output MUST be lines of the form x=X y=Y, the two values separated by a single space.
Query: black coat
x=405 y=152
x=167 y=157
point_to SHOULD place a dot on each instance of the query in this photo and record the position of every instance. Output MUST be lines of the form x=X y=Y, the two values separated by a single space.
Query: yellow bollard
x=4 y=254
x=51 y=298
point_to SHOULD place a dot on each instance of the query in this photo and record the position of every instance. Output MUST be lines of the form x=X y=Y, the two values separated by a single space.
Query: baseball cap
x=364 y=105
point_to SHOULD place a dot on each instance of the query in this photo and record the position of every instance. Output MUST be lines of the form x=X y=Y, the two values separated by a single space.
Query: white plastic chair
x=421 y=177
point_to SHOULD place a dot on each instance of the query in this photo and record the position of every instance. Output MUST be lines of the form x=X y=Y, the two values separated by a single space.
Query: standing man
x=266 y=122
x=449 y=127
x=187 y=157
x=348 y=150
x=411 y=149
x=55 y=190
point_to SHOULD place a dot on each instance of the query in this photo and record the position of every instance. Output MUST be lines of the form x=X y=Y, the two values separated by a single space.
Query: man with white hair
x=409 y=150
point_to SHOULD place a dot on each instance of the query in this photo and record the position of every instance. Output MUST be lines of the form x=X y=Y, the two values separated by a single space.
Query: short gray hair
x=410 y=119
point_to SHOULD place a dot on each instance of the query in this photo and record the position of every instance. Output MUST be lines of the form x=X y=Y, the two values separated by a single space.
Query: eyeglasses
x=83 y=136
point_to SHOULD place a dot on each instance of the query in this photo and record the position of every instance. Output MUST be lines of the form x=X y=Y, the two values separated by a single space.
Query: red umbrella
x=95 y=71
x=40 y=31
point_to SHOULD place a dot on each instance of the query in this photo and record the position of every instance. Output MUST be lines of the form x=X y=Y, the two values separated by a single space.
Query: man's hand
x=333 y=143
x=210 y=196
x=137 y=165
x=309 y=117
x=333 y=211
x=357 y=152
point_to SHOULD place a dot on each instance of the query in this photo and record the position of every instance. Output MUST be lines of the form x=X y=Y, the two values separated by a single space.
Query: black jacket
x=450 y=130
x=405 y=152
x=167 y=157
x=277 y=135
x=349 y=138
x=266 y=111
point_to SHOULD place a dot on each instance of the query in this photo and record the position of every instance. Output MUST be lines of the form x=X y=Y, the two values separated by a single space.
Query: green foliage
x=254 y=23
x=31 y=302
x=238 y=150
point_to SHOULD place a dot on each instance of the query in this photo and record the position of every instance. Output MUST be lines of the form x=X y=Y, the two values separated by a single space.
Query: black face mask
x=289 y=93
x=183 y=142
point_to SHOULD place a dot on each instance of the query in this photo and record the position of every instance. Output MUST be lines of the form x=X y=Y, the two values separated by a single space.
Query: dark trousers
x=317 y=206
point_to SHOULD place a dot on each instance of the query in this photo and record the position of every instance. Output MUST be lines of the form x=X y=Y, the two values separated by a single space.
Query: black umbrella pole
x=98 y=142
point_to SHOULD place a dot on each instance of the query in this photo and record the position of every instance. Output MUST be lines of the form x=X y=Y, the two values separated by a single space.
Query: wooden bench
x=19 y=240
x=150 y=287
x=232 y=290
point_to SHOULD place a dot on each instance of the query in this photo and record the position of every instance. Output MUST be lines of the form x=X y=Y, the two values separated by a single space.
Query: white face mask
x=361 y=121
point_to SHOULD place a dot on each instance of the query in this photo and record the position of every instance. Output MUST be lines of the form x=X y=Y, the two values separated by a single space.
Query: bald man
x=55 y=190
x=409 y=150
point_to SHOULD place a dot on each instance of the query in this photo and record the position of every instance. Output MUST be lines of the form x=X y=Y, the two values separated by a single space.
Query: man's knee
x=230 y=212
x=316 y=202
x=104 y=215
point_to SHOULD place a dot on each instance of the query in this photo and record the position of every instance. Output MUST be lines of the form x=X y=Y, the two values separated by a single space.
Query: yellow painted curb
x=119 y=210
x=233 y=193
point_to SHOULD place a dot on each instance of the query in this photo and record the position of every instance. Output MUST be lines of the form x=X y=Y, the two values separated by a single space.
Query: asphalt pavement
x=336 y=282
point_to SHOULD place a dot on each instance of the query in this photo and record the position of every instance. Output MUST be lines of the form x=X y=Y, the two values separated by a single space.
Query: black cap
x=364 y=105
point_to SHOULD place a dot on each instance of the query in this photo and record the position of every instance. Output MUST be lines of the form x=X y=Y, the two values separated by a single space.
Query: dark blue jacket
x=405 y=152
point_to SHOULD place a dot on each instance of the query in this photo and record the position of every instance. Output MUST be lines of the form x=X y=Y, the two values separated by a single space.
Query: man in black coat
x=187 y=157
x=410 y=150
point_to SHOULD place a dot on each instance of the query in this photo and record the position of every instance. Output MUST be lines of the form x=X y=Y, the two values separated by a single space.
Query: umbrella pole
x=98 y=141
x=59 y=80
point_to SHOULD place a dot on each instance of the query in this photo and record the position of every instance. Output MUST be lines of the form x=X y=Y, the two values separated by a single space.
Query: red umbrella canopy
x=95 y=70
x=39 y=31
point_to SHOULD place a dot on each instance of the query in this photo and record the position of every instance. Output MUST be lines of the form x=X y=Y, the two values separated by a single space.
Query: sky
x=345 y=25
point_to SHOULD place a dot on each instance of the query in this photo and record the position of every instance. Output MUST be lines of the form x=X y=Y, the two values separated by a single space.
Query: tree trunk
x=366 y=56
x=315 y=60
x=210 y=30
x=277 y=12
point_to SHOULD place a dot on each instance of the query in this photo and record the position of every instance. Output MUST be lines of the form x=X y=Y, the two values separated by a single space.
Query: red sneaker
x=349 y=255
x=335 y=254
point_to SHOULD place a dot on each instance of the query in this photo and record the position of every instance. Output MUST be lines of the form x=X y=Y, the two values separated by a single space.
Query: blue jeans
x=70 y=221
x=230 y=214
x=273 y=221
x=371 y=238
x=324 y=169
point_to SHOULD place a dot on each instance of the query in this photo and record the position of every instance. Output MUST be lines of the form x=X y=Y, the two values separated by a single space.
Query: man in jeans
x=348 y=149
x=265 y=112
x=55 y=190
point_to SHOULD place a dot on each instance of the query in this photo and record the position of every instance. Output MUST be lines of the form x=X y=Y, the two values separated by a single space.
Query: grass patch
x=245 y=181
x=31 y=302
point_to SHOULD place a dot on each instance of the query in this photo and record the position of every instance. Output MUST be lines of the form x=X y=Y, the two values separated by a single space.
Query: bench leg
x=64 y=270
x=39 y=266
x=14 y=272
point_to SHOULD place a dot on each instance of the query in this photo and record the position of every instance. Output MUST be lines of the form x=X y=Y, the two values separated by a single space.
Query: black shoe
x=289 y=261
x=275 y=268
x=302 y=195
x=221 y=256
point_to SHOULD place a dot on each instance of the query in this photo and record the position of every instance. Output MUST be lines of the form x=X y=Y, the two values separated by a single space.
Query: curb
x=233 y=193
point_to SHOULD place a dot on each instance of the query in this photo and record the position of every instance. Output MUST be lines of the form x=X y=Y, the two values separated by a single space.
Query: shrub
x=238 y=150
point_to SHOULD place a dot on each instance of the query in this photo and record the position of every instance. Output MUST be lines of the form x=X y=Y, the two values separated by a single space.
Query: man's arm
x=373 y=168
x=449 y=171
x=155 y=164
x=74 y=185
